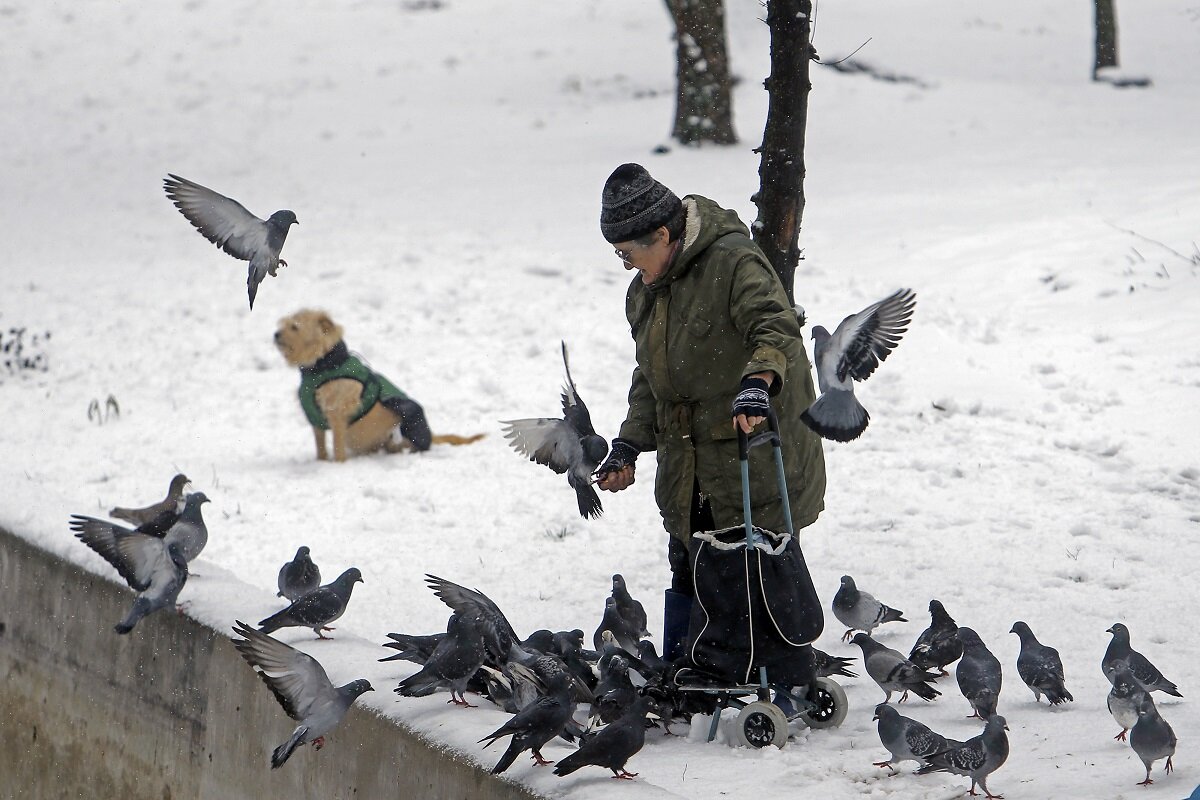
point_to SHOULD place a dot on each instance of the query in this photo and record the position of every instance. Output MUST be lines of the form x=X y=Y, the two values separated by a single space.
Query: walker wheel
x=831 y=705
x=760 y=724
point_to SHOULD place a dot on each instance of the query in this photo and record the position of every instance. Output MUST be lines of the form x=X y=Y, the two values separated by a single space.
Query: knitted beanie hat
x=634 y=204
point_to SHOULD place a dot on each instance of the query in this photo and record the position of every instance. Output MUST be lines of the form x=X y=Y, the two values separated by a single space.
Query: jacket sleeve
x=760 y=312
x=638 y=427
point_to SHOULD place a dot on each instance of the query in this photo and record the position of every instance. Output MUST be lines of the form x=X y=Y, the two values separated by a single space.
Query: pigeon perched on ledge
x=569 y=445
x=851 y=353
x=172 y=502
x=316 y=609
x=535 y=725
x=226 y=223
x=454 y=661
x=613 y=745
x=299 y=576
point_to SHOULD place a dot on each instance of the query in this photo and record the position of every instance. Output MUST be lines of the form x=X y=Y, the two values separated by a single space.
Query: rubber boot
x=677 y=612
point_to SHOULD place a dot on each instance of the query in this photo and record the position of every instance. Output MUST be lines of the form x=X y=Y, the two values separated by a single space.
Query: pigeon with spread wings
x=568 y=445
x=226 y=223
x=851 y=353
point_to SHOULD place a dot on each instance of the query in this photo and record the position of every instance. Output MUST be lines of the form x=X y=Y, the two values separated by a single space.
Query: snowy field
x=1033 y=451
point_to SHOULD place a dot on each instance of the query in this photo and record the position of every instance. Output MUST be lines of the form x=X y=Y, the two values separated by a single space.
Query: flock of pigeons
x=980 y=678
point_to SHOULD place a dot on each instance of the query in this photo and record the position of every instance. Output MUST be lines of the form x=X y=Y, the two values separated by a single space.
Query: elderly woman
x=716 y=341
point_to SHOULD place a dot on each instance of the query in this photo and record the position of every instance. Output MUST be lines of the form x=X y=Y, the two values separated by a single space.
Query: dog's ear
x=325 y=323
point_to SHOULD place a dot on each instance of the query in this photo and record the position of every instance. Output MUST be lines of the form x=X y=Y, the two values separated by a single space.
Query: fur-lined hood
x=704 y=223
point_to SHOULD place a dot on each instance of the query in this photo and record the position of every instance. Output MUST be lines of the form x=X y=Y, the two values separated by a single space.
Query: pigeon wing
x=134 y=555
x=222 y=220
x=497 y=631
x=574 y=411
x=864 y=339
x=549 y=442
x=296 y=679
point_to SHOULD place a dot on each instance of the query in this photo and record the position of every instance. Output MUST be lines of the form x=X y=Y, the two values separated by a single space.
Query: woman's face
x=651 y=260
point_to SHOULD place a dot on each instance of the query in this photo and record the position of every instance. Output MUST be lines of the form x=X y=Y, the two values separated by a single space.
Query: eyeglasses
x=624 y=255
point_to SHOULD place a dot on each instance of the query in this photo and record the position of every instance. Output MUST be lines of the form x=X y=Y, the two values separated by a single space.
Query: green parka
x=717 y=314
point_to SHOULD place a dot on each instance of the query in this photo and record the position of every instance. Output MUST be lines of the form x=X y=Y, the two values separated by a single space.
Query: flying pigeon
x=1124 y=699
x=535 y=725
x=828 y=665
x=452 y=664
x=613 y=745
x=1146 y=673
x=299 y=576
x=153 y=567
x=1151 y=738
x=1040 y=667
x=568 y=445
x=316 y=609
x=618 y=626
x=301 y=686
x=977 y=758
x=172 y=502
x=851 y=353
x=906 y=739
x=979 y=674
x=226 y=223
x=859 y=611
x=938 y=645
x=632 y=611
x=893 y=672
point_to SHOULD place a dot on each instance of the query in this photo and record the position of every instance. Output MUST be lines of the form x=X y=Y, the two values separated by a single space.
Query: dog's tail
x=455 y=439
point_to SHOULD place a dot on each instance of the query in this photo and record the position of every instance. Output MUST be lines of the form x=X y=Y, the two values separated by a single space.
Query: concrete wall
x=171 y=712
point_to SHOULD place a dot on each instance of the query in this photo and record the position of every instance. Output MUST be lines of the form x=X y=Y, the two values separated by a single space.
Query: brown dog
x=341 y=394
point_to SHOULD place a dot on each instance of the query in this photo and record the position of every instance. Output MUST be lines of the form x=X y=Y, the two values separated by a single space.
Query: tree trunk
x=703 y=109
x=780 y=197
x=1106 y=37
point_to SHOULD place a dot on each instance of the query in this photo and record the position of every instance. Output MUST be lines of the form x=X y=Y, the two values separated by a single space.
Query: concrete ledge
x=171 y=712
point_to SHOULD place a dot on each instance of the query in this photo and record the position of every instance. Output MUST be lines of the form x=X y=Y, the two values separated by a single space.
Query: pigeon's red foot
x=624 y=775
x=460 y=702
x=541 y=762
x=1169 y=766
x=846 y=636
x=1146 y=782
x=887 y=764
x=318 y=743
x=1120 y=737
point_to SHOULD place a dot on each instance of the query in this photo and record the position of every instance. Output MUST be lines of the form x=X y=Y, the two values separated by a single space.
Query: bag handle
x=745 y=444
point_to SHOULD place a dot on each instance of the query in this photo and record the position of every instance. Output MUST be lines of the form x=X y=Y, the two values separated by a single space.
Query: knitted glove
x=752 y=400
x=623 y=454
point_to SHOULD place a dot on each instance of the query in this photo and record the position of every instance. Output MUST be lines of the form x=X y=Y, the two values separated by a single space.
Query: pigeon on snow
x=299 y=576
x=458 y=656
x=632 y=611
x=185 y=529
x=535 y=725
x=977 y=758
x=938 y=645
x=568 y=445
x=226 y=223
x=1124 y=699
x=1146 y=673
x=153 y=567
x=301 y=686
x=859 y=611
x=172 y=502
x=498 y=635
x=906 y=739
x=412 y=647
x=979 y=674
x=828 y=665
x=316 y=609
x=613 y=745
x=1040 y=667
x=851 y=353
x=612 y=621
x=1152 y=738
x=893 y=672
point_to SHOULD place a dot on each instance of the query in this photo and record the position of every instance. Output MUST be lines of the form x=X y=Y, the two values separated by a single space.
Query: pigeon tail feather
x=282 y=753
x=837 y=415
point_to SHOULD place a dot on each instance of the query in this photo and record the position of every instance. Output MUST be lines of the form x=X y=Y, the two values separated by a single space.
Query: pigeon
x=535 y=725
x=452 y=664
x=1124 y=699
x=498 y=634
x=1146 y=673
x=613 y=745
x=1151 y=738
x=172 y=502
x=614 y=691
x=621 y=629
x=977 y=758
x=568 y=445
x=979 y=674
x=316 y=609
x=301 y=686
x=413 y=647
x=853 y=351
x=938 y=645
x=226 y=223
x=153 y=567
x=859 y=611
x=299 y=576
x=906 y=739
x=185 y=528
x=633 y=612
x=1040 y=667
x=893 y=672
x=827 y=665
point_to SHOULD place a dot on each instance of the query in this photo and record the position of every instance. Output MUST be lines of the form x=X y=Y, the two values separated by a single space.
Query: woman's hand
x=751 y=404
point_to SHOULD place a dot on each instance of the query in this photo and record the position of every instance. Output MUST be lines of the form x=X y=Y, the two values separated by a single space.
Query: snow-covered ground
x=1033 y=447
